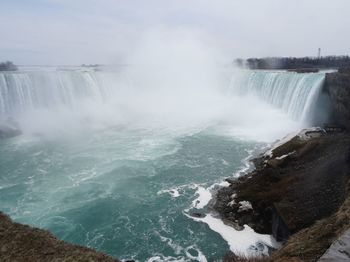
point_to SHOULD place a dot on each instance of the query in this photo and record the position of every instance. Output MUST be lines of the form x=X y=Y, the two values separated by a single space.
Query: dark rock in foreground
x=24 y=243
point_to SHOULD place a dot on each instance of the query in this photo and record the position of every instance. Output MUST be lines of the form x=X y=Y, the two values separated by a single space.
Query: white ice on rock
x=246 y=241
x=302 y=134
x=245 y=205
x=204 y=196
x=284 y=156
x=241 y=242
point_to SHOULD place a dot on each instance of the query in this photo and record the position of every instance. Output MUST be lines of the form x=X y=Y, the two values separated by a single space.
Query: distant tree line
x=8 y=66
x=90 y=65
x=294 y=62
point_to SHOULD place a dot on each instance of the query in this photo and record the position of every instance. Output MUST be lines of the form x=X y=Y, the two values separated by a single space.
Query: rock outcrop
x=23 y=243
x=298 y=183
x=337 y=85
x=312 y=242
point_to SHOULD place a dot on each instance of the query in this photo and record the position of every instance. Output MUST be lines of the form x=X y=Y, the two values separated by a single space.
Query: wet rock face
x=337 y=85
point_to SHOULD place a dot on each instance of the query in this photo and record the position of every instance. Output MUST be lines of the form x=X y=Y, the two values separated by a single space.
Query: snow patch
x=243 y=242
x=244 y=205
x=204 y=196
x=302 y=134
x=284 y=156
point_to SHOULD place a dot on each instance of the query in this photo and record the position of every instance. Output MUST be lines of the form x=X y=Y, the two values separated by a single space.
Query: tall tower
x=319 y=53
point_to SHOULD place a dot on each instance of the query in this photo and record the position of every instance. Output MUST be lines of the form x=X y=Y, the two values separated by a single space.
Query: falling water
x=294 y=93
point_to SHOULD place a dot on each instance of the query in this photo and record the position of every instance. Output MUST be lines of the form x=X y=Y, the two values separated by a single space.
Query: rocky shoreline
x=299 y=190
x=302 y=181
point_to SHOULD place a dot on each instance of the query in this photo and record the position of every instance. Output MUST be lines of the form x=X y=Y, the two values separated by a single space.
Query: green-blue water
x=103 y=189
x=114 y=159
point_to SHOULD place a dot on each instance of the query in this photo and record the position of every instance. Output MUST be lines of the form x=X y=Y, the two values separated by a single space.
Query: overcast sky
x=104 y=31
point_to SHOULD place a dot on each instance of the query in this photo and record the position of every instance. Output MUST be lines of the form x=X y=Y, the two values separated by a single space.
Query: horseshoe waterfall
x=124 y=159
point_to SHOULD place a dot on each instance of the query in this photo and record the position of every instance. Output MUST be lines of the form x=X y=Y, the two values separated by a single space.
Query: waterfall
x=294 y=93
x=22 y=91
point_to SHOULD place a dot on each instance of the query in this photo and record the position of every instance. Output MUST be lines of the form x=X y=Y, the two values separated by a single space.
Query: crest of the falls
x=21 y=91
x=66 y=97
x=294 y=93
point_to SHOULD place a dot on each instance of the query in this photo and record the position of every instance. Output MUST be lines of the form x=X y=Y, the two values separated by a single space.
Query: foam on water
x=173 y=192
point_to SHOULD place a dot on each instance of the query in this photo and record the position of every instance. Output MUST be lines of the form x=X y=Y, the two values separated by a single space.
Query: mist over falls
x=160 y=97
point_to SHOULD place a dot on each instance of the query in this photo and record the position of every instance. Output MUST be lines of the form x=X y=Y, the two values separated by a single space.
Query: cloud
x=91 y=31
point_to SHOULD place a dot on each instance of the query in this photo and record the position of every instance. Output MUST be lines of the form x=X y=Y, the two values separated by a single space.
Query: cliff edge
x=337 y=86
x=24 y=243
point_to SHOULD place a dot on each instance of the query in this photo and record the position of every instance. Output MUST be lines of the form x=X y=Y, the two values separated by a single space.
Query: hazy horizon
x=52 y=32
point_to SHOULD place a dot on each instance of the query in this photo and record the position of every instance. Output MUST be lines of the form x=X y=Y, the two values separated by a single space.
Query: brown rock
x=23 y=243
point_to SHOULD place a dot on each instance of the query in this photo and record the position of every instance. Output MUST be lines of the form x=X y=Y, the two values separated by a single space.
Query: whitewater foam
x=174 y=192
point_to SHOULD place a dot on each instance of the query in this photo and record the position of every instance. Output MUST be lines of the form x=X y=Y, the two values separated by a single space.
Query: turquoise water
x=107 y=189
x=116 y=159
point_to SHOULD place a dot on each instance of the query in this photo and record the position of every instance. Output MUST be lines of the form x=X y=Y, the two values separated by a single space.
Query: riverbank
x=299 y=193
